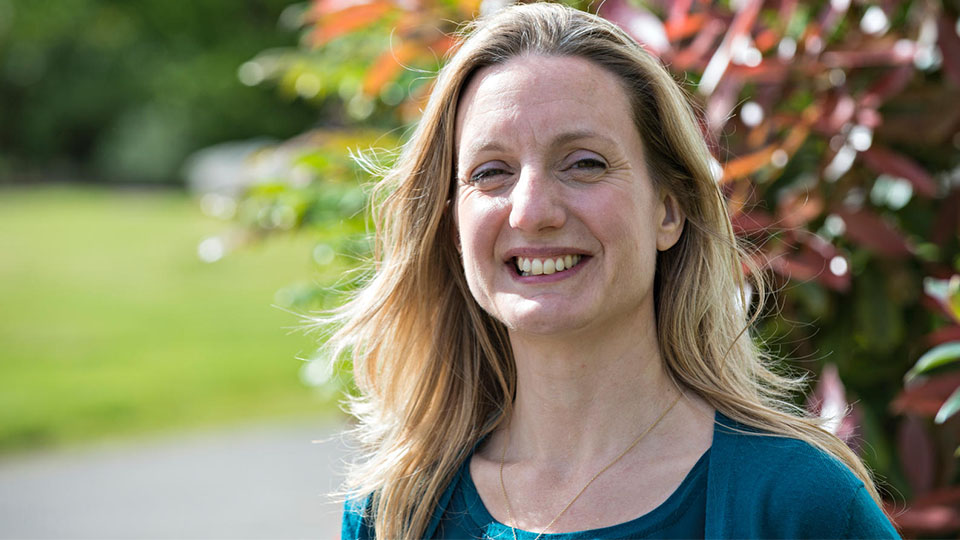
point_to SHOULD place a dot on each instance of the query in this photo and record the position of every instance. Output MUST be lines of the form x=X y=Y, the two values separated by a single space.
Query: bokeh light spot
x=874 y=21
x=211 y=250
x=751 y=113
x=839 y=266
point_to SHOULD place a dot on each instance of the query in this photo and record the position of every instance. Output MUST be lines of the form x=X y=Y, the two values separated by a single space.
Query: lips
x=535 y=266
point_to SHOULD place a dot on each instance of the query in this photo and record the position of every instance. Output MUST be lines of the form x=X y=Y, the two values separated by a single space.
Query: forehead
x=541 y=96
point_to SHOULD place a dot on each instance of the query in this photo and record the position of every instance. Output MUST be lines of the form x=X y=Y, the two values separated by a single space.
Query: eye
x=589 y=163
x=489 y=174
x=584 y=166
x=486 y=174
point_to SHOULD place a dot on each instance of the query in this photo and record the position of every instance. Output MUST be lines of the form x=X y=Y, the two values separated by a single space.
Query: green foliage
x=939 y=356
x=949 y=407
x=125 y=90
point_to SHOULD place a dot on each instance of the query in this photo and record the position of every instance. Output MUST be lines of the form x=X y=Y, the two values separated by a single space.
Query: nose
x=536 y=202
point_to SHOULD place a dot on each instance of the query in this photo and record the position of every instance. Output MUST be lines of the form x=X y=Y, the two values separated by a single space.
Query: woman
x=553 y=340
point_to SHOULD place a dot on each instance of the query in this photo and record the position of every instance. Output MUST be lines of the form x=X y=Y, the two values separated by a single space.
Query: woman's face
x=559 y=223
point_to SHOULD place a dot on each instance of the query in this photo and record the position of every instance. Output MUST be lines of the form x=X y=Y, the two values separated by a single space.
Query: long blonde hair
x=436 y=373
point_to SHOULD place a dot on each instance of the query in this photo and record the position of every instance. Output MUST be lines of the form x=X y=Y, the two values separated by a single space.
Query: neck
x=586 y=397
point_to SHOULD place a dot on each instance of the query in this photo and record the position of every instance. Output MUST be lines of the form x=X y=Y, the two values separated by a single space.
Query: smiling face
x=558 y=220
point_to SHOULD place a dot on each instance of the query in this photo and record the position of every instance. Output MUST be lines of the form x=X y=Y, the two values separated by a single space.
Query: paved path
x=268 y=481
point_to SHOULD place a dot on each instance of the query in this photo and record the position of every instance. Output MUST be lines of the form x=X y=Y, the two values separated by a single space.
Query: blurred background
x=178 y=191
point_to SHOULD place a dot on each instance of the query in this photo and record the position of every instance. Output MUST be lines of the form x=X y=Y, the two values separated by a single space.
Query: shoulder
x=788 y=466
x=355 y=525
x=778 y=486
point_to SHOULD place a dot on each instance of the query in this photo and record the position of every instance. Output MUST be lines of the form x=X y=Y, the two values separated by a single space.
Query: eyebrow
x=559 y=140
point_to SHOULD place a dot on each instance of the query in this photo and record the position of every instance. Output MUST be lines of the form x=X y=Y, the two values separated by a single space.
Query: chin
x=542 y=322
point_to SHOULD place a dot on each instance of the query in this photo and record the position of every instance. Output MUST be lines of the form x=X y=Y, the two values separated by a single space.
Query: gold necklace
x=503 y=489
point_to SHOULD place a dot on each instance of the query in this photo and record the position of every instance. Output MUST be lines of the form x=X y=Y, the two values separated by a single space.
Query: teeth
x=536 y=267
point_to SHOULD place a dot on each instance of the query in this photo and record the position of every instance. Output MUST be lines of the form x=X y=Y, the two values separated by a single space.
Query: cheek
x=627 y=220
x=477 y=226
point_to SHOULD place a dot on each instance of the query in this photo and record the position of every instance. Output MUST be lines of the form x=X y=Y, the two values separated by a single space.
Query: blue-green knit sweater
x=758 y=486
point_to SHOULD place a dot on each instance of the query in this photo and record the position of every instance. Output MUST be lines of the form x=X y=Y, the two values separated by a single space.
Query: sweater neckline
x=666 y=513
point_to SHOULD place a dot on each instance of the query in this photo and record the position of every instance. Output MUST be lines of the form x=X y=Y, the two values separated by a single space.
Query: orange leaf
x=685 y=27
x=766 y=40
x=388 y=65
x=339 y=23
x=748 y=164
x=796 y=207
x=471 y=7
x=795 y=138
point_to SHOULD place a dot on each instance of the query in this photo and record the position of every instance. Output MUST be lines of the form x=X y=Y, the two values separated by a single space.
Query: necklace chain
x=503 y=488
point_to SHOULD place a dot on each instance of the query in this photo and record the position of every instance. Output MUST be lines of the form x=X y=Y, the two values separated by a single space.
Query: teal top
x=753 y=486
x=682 y=515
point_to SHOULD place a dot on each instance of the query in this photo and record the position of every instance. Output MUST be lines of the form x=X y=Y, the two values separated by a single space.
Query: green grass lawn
x=111 y=325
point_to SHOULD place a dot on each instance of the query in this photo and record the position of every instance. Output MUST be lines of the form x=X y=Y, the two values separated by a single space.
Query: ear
x=671 y=222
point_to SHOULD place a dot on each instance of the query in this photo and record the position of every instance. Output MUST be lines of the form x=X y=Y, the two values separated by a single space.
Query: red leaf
x=745 y=17
x=745 y=223
x=698 y=49
x=830 y=17
x=949 y=43
x=769 y=70
x=943 y=496
x=942 y=335
x=925 y=397
x=885 y=161
x=888 y=86
x=869 y=118
x=917 y=455
x=880 y=57
x=929 y=117
x=811 y=262
x=948 y=220
x=839 y=109
x=869 y=230
x=935 y=521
